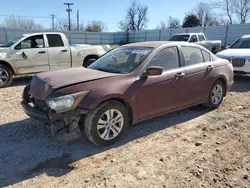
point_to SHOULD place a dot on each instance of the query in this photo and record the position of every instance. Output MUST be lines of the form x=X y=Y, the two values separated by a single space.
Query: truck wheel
x=89 y=61
x=216 y=95
x=104 y=125
x=6 y=76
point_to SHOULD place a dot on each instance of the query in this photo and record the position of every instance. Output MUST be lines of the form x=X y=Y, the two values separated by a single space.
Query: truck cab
x=32 y=53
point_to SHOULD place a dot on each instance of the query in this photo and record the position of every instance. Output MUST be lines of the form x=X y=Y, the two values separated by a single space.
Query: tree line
x=61 y=24
x=216 y=13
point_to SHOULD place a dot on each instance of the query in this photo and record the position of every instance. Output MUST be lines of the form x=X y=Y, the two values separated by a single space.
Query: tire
x=6 y=76
x=88 y=62
x=212 y=101
x=95 y=116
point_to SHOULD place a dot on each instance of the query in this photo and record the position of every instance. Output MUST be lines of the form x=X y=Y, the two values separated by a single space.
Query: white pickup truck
x=198 y=38
x=38 y=52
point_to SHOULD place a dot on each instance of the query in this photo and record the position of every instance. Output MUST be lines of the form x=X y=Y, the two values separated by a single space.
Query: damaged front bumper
x=65 y=126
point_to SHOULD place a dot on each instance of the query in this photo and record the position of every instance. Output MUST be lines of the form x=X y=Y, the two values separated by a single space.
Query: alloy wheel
x=110 y=124
x=3 y=76
x=217 y=94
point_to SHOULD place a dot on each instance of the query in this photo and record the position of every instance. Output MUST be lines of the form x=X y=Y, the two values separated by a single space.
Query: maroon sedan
x=127 y=85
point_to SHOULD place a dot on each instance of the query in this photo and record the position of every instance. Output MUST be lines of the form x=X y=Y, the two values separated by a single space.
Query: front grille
x=238 y=62
x=41 y=105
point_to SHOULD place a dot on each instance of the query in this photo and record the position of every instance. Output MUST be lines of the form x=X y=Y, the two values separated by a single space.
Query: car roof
x=188 y=33
x=245 y=36
x=41 y=33
x=157 y=44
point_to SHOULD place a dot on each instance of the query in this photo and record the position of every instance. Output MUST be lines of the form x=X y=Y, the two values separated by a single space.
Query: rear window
x=192 y=55
x=206 y=56
x=201 y=37
x=55 y=40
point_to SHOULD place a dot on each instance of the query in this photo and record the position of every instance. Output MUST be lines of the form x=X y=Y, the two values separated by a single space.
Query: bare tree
x=242 y=10
x=136 y=18
x=18 y=22
x=162 y=25
x=95 y=26
x=227 y=7
x=173 y=22
x=205 y=14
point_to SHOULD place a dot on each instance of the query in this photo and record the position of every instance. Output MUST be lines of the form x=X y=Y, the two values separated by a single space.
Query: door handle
x=210 y=67
x=42 y=52
x=64 y=50
x=180 y=74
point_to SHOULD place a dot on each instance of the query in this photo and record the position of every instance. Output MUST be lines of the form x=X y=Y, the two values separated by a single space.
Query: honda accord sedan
x=127 y=85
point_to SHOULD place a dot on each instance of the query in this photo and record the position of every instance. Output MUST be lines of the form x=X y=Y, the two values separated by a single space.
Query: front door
x=31 y=55
x=59 y=53
x=158 y=94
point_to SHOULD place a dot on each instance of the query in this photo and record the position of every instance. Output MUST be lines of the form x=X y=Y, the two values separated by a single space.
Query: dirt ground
x=190 y=148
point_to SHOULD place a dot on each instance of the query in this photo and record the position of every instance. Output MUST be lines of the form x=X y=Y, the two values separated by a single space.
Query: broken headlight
x=67 y=102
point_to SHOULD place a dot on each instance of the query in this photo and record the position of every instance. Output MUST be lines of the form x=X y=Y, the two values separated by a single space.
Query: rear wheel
x=6 y=76
x=105 y=125
x=216 y=95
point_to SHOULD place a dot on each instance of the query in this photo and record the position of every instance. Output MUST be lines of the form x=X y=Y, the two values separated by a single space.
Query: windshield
x=241 y=43
x=10 y=43
x=121 y=60
x=180 y=38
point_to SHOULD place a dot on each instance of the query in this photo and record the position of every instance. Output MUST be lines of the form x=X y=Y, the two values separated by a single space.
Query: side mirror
x=153 y=71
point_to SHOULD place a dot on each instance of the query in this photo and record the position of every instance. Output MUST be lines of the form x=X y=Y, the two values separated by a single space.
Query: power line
x=22 y=16
x=69 y=10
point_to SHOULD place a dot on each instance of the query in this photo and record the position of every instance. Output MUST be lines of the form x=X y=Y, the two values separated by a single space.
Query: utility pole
x=78 y=27
x=69 y=10
x=53 y=21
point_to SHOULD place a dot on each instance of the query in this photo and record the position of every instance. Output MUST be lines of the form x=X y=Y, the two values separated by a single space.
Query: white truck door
x=31 y=55
x=202 y=40
x=58 y=52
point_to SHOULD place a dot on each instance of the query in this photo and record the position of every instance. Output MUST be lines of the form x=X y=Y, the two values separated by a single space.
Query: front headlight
x=67 y=102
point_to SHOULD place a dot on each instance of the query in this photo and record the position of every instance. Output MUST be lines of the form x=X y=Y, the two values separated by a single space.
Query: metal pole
x=53 y=21
x=69 y=10
x=78 y=27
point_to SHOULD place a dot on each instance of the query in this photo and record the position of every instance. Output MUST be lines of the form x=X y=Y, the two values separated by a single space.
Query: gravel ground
x=190 y=148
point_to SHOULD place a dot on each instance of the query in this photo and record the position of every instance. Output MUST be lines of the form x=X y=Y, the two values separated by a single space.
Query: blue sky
x=108 y=11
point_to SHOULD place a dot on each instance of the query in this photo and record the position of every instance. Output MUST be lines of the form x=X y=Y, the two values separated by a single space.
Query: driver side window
x=193 y=38
x=167 y=58
x=31 y=42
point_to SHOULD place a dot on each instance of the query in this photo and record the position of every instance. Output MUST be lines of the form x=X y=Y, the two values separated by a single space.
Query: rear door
x=199 y=72
x=59 y=53
x=158 y=94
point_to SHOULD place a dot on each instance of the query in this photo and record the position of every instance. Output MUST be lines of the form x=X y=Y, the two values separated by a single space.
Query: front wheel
x=105 y=125
x=6 y=76
x=216 y=95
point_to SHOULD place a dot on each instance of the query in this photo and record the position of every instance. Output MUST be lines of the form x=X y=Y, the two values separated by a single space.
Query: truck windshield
x=10 y=43
x=180 y=38
x=121 y=60
x=241 y=43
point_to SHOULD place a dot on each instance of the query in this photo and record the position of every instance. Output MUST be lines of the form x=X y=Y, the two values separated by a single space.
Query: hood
x=229 y=53
x=45 y=83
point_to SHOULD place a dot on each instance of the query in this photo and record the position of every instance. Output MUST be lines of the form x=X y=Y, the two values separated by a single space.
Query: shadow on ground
x=28 y=149
x=241 y=84
x=20 y=81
